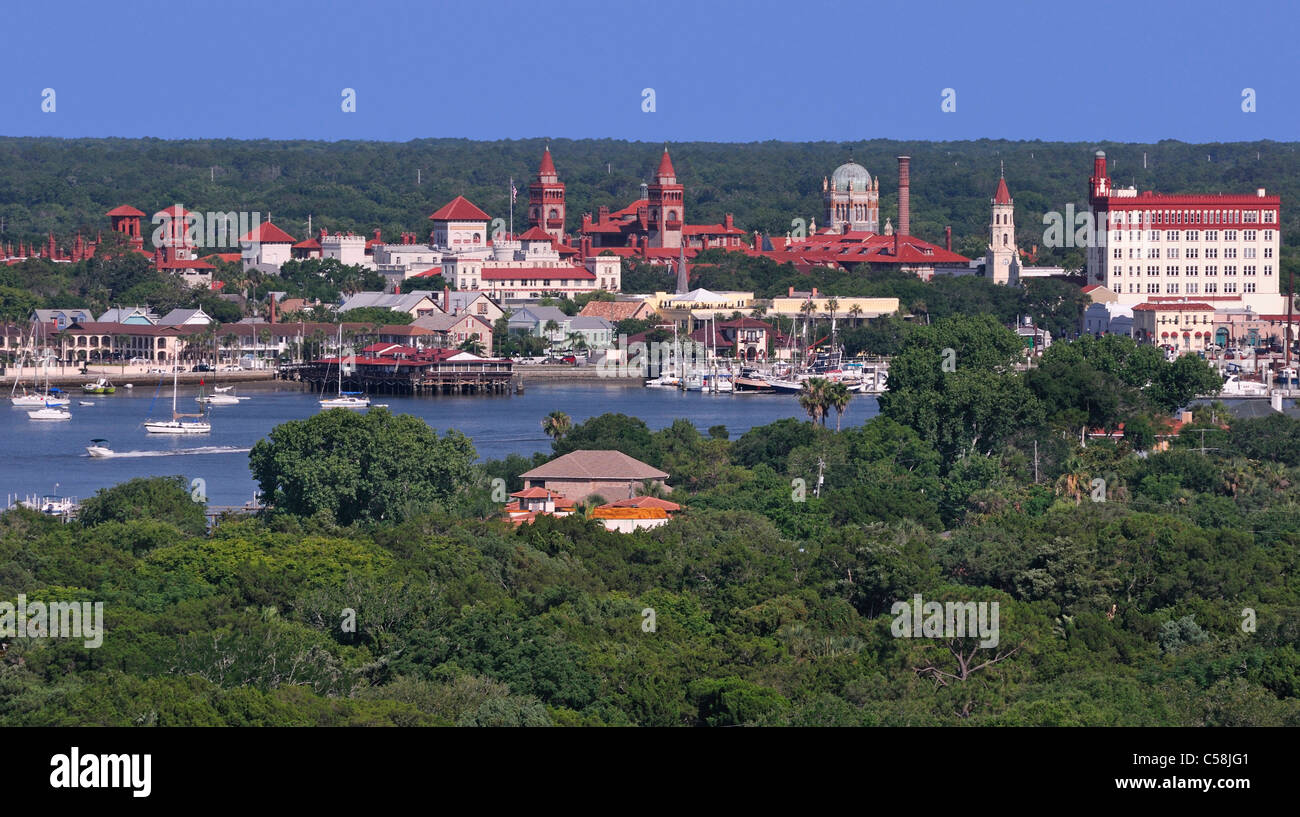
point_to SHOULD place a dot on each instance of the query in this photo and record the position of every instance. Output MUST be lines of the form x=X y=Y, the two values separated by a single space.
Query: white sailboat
x=176 y=425
x=345 y=399
x=50 y=412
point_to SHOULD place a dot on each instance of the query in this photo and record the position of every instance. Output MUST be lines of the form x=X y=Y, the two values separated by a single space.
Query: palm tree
x=651 y=488
x=838 y=396
x=551 y=327
x=556 y=425
x=831 y=305
x=264 y=338
x=814 y=398
x=230 y=341
x=855 y=312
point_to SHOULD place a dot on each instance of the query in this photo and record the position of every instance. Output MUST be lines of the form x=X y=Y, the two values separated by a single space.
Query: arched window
x=554 y=213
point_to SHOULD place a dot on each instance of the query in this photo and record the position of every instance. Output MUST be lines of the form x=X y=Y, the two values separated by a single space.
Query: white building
x=1217 y=249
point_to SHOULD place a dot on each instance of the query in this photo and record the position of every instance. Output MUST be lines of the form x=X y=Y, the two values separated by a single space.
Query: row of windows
x=1117 y=236
x=1211 y=288
x=1192 y=270
x=1193 y=217
x=1190 y=252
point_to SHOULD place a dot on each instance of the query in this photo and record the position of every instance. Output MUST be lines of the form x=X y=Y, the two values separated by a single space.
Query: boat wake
x=205 y=449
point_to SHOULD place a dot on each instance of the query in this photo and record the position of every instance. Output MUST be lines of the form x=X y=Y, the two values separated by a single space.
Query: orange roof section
x=459 y=209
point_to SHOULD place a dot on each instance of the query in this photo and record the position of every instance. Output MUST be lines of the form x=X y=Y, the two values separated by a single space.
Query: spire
x=1003 y=196
x=547 y=167
x=665 y=165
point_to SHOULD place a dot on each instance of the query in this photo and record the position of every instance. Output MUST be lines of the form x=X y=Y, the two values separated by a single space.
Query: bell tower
x=546 y=199
x=1002 y=261
x=667 y=206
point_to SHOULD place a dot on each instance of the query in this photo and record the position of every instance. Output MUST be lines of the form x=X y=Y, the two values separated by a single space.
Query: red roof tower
x=667 y=211
x=546 y=199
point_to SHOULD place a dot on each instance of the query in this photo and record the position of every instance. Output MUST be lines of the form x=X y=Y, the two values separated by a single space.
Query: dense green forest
x=67 y=185
x=1136 y=586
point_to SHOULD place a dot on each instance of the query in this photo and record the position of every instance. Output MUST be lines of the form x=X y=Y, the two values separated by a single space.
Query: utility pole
x=821 y=465
x=1035 y=462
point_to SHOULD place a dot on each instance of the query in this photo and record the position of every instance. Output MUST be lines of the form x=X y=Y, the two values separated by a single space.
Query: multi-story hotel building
x=1221 y=250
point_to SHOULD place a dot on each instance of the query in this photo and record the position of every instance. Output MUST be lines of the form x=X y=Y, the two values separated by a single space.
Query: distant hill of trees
x=64 y=185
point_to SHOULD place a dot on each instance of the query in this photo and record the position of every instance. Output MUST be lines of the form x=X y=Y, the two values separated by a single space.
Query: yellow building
x=852 y=309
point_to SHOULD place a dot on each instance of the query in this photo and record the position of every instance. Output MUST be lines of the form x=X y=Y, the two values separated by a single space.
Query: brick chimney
x=272 y=307
x=446 y=298
x=947 y=237
x=904 y=196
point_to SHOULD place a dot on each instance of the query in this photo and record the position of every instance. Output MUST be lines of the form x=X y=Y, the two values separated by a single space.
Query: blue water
x=49 y=457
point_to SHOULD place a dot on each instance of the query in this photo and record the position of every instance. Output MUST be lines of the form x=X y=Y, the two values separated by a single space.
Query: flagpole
x=512 y=205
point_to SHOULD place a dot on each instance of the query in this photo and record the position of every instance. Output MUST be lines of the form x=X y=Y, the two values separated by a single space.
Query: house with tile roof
x=583 y=474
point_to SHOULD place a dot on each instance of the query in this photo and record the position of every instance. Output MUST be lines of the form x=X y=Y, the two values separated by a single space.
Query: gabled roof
x=460 y=209
x=125 y=210
x=595 y=464
x=309 y=244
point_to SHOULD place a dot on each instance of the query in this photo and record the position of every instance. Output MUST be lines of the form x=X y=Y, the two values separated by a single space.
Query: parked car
x=202 y=367
x=230 y=368
x=569 y=359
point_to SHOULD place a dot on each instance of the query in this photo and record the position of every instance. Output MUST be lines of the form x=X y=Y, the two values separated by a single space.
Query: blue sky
x=722 y=70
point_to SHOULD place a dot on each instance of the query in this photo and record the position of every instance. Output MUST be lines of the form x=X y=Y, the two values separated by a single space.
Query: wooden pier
x=413 y=377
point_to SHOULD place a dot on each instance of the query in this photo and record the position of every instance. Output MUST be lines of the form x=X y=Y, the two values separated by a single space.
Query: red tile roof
x=175 y=211
x=1003 y=196
x=309 y=244
x=547 y=167
x=460 y=209
x=644 y=502
x=268 y=233
x=665 y=165
x=124 y=210
x=536 y=234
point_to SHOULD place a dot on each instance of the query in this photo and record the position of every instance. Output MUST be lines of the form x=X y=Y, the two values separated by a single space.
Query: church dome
x=851 y=172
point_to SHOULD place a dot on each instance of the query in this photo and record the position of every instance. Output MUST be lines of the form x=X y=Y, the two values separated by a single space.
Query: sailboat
x=176 y=425
x=51 y=411
x=346 y=399
x=51 y=396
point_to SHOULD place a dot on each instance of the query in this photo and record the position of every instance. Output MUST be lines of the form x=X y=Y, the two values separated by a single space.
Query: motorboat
x=99 y=449
x=1234 y=386
x=223 y=397
x=100 y=386
x=85 y=402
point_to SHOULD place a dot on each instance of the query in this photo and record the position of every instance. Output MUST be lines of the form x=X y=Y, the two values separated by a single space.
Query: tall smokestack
x=904 y=195
x=272 y=307
x=947 y=237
